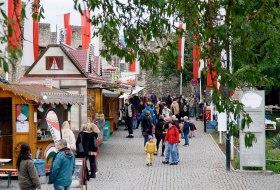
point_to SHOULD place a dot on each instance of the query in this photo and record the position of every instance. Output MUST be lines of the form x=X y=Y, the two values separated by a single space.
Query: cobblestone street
x=122 y=165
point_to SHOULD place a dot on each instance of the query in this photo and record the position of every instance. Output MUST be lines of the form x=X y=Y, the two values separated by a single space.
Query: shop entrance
x=6 y=128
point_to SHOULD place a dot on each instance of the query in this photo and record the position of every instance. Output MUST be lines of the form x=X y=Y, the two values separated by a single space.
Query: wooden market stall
x=21 y=108
x=111 y=107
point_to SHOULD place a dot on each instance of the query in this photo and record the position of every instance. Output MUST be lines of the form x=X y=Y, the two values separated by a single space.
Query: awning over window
x=108 y=93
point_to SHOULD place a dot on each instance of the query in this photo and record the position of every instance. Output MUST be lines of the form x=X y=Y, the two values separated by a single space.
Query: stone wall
x=157 y=85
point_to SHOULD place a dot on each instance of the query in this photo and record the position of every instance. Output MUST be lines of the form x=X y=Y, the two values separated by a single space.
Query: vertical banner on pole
x=85 y=29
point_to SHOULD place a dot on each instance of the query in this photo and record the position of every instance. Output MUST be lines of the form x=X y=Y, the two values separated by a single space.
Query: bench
x=5 y=172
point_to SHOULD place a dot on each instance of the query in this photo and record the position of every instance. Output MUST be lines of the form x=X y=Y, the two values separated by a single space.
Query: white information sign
x=254 y=105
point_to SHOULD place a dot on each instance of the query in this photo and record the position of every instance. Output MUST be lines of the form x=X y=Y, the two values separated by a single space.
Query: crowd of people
x=165 y=118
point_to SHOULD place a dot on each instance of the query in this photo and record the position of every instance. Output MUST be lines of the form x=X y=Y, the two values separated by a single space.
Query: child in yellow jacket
x=150 y=149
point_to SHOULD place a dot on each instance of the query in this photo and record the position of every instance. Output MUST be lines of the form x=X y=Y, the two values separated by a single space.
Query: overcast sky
x=58 y=7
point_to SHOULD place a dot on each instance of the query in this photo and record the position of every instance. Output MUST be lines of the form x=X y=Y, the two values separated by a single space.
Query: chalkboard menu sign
x=79 y=174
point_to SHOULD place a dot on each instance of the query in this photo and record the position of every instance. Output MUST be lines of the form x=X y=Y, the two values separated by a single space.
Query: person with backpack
x=88 y=139
x=147 y=126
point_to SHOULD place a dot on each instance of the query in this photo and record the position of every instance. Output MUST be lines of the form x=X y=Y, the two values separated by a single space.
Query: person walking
x=192 y=129
x=147 y=126
x=69 y=136
x=28 y=178
x=186 y=130
x=175 y=108
x=152 y=113
x=88 y=137
x=172 y=137
x=129 y=118
x=160 y=134
x=192 y=106
x=63 y=167
x=153 y=99
x=150 y=149
x=168 y=101
x=184 y=112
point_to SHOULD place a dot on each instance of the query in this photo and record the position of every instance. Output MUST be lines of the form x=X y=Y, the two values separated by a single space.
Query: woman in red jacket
x=172 y=137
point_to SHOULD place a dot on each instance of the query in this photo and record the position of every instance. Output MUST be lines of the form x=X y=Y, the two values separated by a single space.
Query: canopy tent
x=137 y=89
x=108 y=93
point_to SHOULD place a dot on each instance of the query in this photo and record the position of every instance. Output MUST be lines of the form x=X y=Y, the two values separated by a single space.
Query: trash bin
x=211 y=126
x=40 y=166
x=106 y=130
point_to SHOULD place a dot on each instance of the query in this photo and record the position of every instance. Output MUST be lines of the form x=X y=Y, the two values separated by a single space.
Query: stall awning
x=108 y=93
x=42 y=94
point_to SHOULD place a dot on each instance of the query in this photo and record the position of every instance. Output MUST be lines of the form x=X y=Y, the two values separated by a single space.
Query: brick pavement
x=202 y=166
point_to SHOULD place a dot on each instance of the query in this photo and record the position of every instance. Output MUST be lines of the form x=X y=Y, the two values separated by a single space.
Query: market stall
x=32 y=114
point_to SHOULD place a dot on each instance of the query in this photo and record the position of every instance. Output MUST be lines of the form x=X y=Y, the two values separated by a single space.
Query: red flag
x=85 y=29
x=179 y=65
x=36 y=34
x=68 y=29
x=196 y=61
x=14 y=39
x=211 y=75
x=132 y=66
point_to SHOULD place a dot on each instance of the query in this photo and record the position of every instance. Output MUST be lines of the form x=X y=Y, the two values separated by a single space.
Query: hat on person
x=150 y=137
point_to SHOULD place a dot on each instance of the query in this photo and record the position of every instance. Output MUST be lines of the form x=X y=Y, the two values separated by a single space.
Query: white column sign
x=254 y=105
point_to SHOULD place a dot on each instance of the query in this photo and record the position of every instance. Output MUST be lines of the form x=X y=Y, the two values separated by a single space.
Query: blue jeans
x=134 y=122
x=146 y=139
x=167 y=153
x=192 y=110
x=186 y=136
x=58 y=187
x=174 y=152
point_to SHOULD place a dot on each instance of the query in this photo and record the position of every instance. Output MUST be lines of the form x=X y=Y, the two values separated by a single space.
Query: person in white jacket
x=166 y=112
x=68 y=135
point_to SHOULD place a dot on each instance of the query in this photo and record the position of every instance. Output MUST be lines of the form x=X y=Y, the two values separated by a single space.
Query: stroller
x=199 y=115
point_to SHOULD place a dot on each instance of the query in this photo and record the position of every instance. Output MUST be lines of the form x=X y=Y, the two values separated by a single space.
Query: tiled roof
x=36 y=92
x=80 y=56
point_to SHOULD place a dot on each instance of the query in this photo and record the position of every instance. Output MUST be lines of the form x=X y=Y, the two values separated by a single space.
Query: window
x=54 y=62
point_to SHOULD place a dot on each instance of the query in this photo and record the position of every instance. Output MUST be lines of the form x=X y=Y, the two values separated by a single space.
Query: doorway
x=6 y=128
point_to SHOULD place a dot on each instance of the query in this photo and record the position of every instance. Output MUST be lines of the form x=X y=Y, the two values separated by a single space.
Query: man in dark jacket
x=63 y=167
x=160 y=133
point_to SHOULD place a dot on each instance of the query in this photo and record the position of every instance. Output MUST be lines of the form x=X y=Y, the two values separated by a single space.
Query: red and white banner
x=14 y=13
x=85 y=29
x=31 y=37
x=181 y=47
x=196 y=61
x=53 y=125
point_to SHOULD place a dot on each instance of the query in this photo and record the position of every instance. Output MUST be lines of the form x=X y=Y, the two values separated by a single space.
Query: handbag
x=80 y=145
